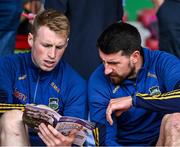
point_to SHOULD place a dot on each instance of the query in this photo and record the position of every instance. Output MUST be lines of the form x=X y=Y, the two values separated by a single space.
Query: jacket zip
x=35 y=92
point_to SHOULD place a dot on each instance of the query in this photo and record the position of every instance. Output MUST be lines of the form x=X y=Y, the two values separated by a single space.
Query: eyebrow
x=113 y=62
x=44 y=42
x=110 y=61
x=61 y=45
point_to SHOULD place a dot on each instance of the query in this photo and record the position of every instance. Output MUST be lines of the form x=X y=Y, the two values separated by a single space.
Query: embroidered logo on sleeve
x=154 y=90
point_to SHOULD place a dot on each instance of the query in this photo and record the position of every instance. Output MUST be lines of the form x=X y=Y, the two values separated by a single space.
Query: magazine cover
x=34 y=115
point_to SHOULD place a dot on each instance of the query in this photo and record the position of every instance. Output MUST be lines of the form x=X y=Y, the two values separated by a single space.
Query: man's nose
x=52 y=53
x=107 y=69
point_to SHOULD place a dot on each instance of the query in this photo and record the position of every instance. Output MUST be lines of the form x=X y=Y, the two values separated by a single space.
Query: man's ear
x=66 y=43
x=135 y=56
x=30 y=39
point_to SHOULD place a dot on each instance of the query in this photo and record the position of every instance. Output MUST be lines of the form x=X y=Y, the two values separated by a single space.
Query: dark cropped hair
x=119 y=36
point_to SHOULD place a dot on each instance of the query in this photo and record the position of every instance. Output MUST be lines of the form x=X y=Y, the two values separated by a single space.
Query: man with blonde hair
x=41 y=77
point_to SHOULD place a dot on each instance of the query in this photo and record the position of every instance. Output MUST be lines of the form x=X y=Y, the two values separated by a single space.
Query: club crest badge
x=54 y=103
x=155 y=90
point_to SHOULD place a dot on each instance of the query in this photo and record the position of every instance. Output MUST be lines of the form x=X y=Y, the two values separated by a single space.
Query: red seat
x=22 y=42
x=152 y=43
x=147 y=16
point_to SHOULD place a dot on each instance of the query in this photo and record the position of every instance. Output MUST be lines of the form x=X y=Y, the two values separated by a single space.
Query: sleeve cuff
x=134 y=100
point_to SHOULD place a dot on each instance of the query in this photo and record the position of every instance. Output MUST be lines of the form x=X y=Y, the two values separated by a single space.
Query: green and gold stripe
x=169 y=95
x=6 y=107
x=96 y=136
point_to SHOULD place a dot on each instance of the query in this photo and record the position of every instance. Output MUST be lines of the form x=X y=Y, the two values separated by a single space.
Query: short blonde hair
x=54 y=20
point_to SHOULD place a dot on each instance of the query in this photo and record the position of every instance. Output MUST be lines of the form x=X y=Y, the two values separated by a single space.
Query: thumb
x=118 y=113
x=73 y=133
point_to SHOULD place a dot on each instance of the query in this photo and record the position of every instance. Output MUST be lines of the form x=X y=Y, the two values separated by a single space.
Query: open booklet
x=34 y=115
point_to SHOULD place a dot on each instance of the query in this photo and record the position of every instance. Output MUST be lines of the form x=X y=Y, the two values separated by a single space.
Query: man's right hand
x=52 y=137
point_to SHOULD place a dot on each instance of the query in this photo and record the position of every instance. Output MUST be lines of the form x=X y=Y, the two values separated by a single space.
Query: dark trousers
x=10 y=11
x=169 y=27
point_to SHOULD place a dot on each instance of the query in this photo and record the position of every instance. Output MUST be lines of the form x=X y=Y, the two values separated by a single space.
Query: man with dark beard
x=132 y=90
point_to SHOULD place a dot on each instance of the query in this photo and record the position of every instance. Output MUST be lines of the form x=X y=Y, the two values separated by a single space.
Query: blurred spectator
x=88 y=18
x=30 y=9
x=10 y=11
x=147 y=17
x=36 y=6
x=24 y=26
x=168 y=14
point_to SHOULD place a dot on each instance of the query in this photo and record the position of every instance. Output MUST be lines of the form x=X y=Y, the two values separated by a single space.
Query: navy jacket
x=62 y=89
x=159 y=74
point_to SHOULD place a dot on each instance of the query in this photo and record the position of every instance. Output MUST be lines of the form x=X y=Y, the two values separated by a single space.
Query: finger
x=52 y=129
x=118 y=113
x=73 y=133
x=55 y=132
x=60 y=139
x=108 y=115
x=58 y=136
x=43 y=139
x=46 y=133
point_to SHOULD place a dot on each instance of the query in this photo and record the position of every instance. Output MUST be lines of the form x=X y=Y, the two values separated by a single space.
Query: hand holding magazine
x=34 y=115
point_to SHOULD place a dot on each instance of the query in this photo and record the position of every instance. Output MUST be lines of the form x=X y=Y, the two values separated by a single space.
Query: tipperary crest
x=155 y=90
x=54 y=103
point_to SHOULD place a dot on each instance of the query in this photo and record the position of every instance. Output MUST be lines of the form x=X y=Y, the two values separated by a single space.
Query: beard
x=118 y=79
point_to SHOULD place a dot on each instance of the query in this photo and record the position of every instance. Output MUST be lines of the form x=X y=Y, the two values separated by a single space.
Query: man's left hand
x=118 y=105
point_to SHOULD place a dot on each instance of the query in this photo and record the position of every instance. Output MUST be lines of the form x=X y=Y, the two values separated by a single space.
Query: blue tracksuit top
x=61 y=89
x=160 y=73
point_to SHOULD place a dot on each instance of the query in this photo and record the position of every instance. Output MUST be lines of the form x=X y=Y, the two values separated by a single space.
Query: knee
x=10 y=119
x=172 y=121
